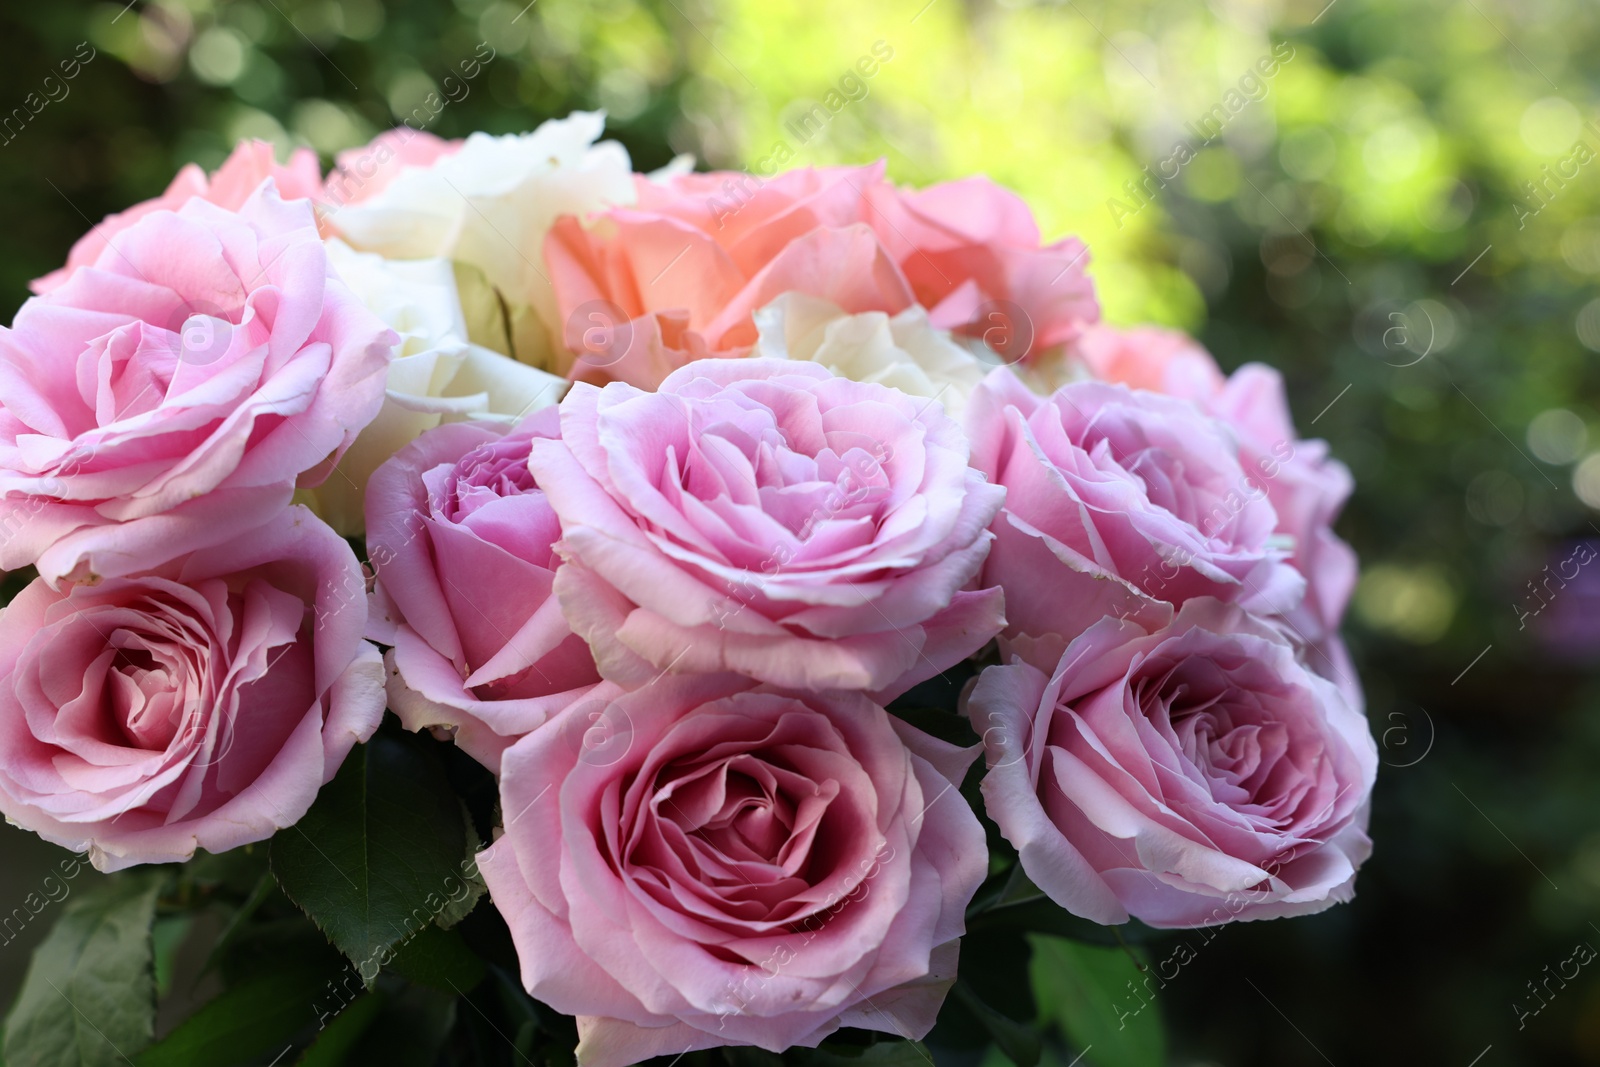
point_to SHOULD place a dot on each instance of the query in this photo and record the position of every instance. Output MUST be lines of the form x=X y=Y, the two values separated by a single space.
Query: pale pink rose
x=1149 y=357
x=1186 y=776
x=461 y=538
x=241 y=174
x=642 y=290
x=169 y=396
x=1118 y=502
x=1307 y=488
x=199 y=705
x=362 y=173
x=698 y=863
x=974 y=257
x=1305 y=485
x=763 y=517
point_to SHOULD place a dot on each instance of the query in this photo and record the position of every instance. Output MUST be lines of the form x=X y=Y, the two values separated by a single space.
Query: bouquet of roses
x=715 y=525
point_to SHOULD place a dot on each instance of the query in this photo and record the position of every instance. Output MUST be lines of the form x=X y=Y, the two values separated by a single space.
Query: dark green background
x=1384 y=158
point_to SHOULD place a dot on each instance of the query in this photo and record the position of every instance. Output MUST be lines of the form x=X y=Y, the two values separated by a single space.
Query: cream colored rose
x=489 y=204
x=436 y=376
x=904 y=351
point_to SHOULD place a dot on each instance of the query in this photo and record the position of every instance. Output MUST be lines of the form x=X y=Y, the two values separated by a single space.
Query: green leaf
x=1103 y=1003
x=379 y=854
x=258 y=1017
x=239 y=921
x=341 y=1035
x=166 y=939
x=262 y=944
x=439 y=959
x=1041 y=915
x=877 y=1054
x=235 y=872
x=468 y=888
x=1019 y=1042
x=414 y=1025
x=89 y=997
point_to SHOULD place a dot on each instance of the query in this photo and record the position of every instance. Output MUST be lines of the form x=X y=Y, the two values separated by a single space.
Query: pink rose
x=645 y=289
x=461 y=538
x=201 y=705
x=1148 y=357
x=241 y=174
x=766 y=518
x=1306 y=487
x=362 y=173
x=733 y=867
x=168 y=396
x=1186 y=776
x=973 y=255
x=1118 y=502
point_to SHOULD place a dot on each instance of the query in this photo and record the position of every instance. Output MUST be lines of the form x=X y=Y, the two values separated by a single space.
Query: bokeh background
x=1404 y=217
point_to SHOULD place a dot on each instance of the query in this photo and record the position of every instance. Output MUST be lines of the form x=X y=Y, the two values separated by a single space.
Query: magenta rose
x=200 y=705
x=766 y=518
x=461 y=538
x=1186 y=776
x=1118 y=502
x=167 y=397
x=698 y=863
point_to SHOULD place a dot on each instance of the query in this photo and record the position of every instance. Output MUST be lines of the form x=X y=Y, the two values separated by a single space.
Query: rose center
x=487 y=473
x=1122 y=446
x=740 y=817
x=142 y=702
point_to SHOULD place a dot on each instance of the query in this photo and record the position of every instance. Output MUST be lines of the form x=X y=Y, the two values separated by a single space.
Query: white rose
x=490 y=203
x=904 y=352
x=436 y=375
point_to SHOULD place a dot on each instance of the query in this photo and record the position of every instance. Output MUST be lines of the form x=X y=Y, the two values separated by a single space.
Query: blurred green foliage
x=1403 y=216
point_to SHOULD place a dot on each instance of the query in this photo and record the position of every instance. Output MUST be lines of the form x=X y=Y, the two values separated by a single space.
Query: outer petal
x=256 y=654
x=1002 y=707
x=578 y=872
